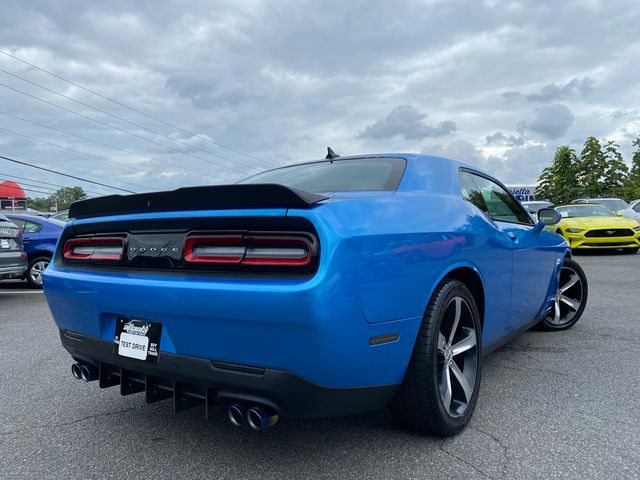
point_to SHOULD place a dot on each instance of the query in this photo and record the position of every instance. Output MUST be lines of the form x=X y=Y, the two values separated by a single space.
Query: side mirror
x=547 y=216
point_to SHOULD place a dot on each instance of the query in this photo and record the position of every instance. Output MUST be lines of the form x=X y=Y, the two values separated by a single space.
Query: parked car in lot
x=39 y=236
x=592 y=226
x=61 y=216
x=292 y=294
x=533 y=206
x=13 y=260
x=616 y=205
x=635 y=204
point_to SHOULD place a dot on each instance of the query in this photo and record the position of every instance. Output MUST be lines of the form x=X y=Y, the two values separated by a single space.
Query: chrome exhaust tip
x=75 y=371
x=235 y=414
x=260 y=418
x=87 y=372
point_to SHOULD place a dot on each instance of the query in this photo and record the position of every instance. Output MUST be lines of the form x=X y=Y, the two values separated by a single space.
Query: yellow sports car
x=595 y=226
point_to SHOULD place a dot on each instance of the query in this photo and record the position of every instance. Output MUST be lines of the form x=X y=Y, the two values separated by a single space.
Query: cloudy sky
x=234 y=87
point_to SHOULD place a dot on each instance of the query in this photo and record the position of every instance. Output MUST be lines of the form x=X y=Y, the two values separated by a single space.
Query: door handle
x=512 y=236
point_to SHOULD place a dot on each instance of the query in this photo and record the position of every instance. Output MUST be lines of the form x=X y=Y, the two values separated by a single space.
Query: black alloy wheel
x=440 y=388
x=570 y=300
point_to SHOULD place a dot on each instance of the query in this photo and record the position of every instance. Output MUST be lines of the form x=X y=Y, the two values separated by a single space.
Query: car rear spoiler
x=215 y=197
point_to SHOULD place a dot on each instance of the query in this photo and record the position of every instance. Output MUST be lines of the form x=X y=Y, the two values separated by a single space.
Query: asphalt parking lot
x=552 y=405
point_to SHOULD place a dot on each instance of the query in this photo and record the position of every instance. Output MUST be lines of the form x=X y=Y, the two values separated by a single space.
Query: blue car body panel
x=42 y=242
x=382 y=256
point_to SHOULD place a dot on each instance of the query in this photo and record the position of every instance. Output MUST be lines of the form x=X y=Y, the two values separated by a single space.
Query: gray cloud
x=501 y=138
x=554 y=92
x=551 y=121
x=406 y=121
x=281 y=80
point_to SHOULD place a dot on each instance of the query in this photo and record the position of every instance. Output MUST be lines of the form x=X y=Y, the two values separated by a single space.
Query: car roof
x=32 y=218
x=419 y=161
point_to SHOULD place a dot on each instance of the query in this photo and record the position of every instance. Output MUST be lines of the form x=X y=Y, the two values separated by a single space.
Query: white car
x=617 y=205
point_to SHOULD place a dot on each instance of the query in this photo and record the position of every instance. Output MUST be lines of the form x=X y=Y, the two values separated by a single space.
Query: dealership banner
x=9 y=204
x=524 y=194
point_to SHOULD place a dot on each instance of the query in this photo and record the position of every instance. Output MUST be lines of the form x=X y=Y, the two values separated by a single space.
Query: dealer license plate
x=4 y=243
x=138 y=339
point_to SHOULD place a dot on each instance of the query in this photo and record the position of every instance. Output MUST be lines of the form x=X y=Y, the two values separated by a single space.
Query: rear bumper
x=191 y=380
x=313 y=328
x=12 y=271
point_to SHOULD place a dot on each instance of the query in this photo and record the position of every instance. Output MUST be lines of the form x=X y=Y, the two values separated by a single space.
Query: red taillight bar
x=278 y=251
x=94 y=248
x=214 y=249
x=267 y=250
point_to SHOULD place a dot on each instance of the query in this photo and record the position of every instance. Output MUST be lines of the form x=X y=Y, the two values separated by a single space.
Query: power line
x=159 y=160
x=128 y=107
x=6 y=175
x=65 y=174
x=116 y=128
x=137 y=125
x=27 y=138
x=88 y=155
x=26 y=189
x=91 y=140
x=41 y=187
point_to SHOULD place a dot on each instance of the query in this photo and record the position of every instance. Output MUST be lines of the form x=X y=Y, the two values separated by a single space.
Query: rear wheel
x=35 y=270
x=571 y=298
x=440 y=387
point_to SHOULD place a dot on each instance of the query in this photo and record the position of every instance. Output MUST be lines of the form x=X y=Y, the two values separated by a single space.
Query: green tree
x=557 y=183
x=616 y=171
x=592 y=168
x=67 y=195
x=632 y=187
x=61 y=199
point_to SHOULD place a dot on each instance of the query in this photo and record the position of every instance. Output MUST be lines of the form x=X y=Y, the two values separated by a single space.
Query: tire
x=420 y=403
x=34 y=271
x=631 y=250
x=571 y=298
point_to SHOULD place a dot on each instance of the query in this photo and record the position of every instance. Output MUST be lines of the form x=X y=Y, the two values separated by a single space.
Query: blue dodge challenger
x=334 y=287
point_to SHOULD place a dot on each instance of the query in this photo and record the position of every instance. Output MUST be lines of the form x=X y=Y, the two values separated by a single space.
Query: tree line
x=599 y=171
x=59 y=200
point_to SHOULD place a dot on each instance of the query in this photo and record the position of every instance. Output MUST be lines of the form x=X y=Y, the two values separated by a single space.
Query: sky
x=205 y=92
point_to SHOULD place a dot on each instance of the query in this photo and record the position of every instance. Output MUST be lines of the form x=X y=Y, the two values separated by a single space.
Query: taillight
x=278 y=251
x=259 y=250
x=94 y=248
x=220 y=249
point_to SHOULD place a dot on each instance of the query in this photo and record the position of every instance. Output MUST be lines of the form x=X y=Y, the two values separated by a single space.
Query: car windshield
x=614 y=204
x=348 y=175
x=584 y=211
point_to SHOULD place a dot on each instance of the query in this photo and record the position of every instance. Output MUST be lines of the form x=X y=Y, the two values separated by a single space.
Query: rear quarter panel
x=395 y=286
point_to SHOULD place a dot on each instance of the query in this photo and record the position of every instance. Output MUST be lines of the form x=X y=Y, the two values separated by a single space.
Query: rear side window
x=348 y=175
x=492 y=199
x=32 y=227
x=27 y=226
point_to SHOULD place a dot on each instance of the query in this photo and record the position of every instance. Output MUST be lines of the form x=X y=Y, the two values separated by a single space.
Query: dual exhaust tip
x=84 y=371
x=258 y=418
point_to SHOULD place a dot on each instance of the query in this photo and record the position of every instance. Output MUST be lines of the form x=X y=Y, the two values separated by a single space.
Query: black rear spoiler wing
x=214 y=197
